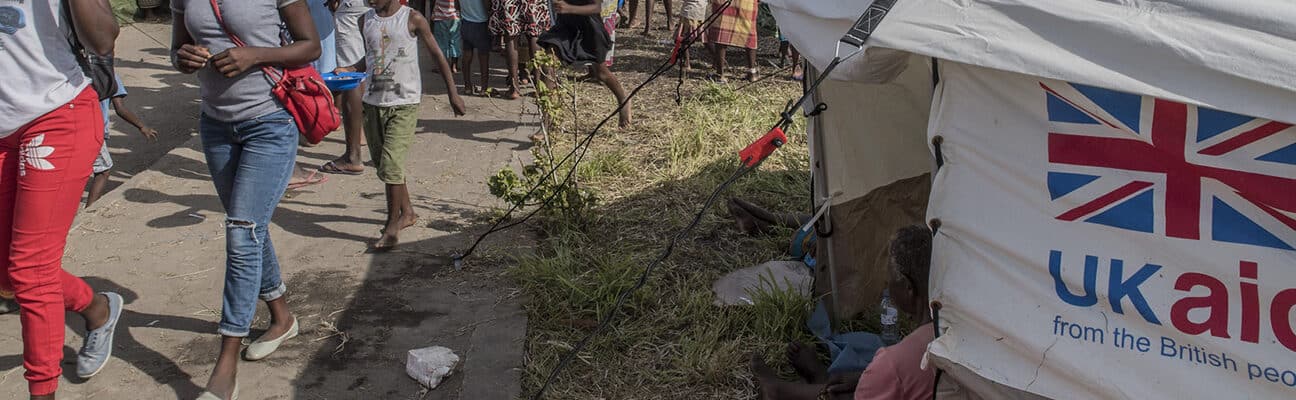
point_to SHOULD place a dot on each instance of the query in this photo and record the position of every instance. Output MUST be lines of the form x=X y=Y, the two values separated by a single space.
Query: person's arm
x=304 y=48
x=127 y=115
x=424 y=31
x=561 y=7
x=186 y=56
x=362 y=66
x=96 y=26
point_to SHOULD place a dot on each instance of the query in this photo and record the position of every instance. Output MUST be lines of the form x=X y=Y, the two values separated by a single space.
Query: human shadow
x=200 y=207
x=128 y=348
x=476 y=131
x=171 y=108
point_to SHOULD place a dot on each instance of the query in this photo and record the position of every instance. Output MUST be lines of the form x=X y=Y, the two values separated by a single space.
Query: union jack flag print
x=1156 y=166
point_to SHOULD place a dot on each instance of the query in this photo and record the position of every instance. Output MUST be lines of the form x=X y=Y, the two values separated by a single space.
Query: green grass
x=670 y=341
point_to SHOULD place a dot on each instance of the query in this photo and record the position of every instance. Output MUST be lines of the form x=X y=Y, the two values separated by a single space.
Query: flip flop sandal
x=310 y=181
x=332 y=168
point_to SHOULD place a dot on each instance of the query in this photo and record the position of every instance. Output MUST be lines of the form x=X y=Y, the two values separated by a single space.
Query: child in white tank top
x=391 y=34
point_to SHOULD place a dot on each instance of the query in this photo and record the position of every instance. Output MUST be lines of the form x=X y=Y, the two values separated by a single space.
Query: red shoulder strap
x=220 y=20
x=270 y=73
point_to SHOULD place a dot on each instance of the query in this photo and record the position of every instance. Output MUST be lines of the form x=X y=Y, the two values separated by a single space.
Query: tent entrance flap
x=868 y=152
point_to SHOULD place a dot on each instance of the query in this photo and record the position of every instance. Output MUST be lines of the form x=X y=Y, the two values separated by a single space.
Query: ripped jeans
x=251 y=163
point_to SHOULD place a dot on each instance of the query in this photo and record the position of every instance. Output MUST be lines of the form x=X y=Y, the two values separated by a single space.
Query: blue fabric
x=447 y=37
x=473 y=10
x=328 y=45
x=851 y=351
x=251 y=163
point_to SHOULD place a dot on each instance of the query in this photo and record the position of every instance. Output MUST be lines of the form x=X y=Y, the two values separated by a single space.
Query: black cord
x=581 y=148
x=643 y=279
x=936 y=307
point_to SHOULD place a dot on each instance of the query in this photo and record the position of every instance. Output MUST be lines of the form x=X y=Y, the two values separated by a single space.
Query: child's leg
x=685 y=32
x=398 y=124
x=634 y=13
x=669 y=14
x=466 y=70
x=718 y=58
x=605 y=75
x=511 y=54
x=97 y=186
x=102 y=164
x=483 y=59
x=751 y=65
x=798 y=71
x=648 y=14
x=353 y=126
x=533 y=45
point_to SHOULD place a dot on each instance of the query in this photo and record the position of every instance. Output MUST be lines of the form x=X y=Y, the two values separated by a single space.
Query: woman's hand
x=236 y=61
x=190 y=58
x=560 y=7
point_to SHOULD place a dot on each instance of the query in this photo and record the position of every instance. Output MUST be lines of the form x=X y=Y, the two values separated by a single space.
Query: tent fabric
x=1224 y=54
x=874 y=133
x=871 y=136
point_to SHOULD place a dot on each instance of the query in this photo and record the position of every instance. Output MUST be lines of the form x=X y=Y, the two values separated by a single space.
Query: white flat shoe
x=260 y=349
x=212 y=396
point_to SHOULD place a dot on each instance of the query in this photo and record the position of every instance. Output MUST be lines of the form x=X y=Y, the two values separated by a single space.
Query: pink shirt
x=896 y=372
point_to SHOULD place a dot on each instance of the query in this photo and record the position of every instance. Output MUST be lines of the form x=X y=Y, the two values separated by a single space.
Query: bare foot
x=391 y=234
x=625 y=119
x=513 y=94
x=771 y=388
x=747 y=223
x=805 y=361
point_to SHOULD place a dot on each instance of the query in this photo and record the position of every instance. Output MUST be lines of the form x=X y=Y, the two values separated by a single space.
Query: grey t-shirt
x=257 y=23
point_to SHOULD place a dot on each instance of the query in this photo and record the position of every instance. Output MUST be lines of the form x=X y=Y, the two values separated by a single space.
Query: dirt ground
x=158 y=239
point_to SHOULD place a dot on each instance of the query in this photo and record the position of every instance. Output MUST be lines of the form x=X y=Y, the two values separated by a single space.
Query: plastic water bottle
x=890 y=332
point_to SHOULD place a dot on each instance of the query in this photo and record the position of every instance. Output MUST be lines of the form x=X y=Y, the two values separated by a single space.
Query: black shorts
x=476 y=36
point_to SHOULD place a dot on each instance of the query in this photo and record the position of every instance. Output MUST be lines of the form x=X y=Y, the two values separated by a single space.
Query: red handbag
x=302 y=92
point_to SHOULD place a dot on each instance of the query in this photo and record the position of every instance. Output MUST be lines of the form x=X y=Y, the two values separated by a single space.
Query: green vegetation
x=670 y=342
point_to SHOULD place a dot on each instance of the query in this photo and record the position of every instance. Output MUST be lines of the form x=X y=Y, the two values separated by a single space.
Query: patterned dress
x=518 y=17
x=736 y=25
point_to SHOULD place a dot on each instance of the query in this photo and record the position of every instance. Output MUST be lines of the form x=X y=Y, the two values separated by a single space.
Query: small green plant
x=544 y=174
x=513 y=188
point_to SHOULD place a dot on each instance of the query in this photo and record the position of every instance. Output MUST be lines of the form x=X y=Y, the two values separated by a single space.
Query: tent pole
x=819 y=176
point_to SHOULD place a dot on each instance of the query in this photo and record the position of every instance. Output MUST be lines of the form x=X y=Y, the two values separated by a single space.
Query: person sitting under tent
x=896 y=372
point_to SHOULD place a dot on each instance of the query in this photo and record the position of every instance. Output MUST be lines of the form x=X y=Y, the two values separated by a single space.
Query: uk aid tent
x=1114 y=183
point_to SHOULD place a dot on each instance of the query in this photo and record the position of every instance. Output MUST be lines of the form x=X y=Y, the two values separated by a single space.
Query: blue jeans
x=251 y=162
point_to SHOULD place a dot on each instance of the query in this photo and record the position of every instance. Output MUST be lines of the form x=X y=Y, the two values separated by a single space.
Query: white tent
x=1117 y=182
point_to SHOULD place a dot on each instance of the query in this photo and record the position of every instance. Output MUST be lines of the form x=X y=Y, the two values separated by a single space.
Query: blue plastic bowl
x=344 y=81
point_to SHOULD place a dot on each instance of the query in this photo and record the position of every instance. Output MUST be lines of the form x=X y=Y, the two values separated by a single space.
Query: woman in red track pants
x=51 y=127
